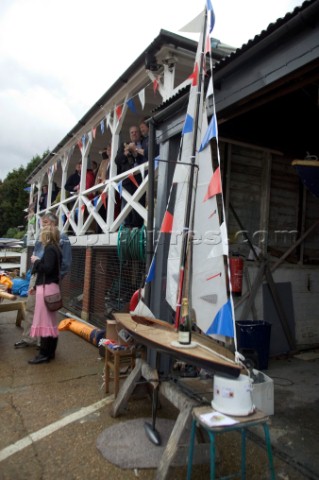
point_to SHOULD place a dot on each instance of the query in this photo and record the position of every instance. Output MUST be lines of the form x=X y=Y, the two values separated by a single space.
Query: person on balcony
x=130 y=155
x=102 y=175
x=72 y=184
x=43 y=198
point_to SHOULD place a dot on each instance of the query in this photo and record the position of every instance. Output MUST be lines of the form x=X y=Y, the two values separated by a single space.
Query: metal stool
x=257 y=418
x=114 y=361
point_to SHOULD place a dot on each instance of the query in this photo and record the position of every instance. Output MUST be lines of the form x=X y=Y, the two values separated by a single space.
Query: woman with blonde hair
x=47 y=268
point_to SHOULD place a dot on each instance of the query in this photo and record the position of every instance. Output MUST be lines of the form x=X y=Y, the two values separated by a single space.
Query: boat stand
x=175 y=396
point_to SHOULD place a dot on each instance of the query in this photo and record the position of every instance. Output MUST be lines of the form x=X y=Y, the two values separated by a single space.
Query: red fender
x=134 y=300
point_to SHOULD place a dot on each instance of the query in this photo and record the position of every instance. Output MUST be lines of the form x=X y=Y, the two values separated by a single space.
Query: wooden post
x=86 y=286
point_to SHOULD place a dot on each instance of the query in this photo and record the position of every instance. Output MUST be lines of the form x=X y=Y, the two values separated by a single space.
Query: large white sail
x=181 y=179
x=196 y=192
x=208 y=283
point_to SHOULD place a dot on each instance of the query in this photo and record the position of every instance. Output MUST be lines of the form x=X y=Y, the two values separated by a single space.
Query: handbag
x=53 y=302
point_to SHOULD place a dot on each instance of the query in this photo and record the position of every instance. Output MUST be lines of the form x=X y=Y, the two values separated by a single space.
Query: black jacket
x=72 y=181
x=126 y=162
x=48 y=266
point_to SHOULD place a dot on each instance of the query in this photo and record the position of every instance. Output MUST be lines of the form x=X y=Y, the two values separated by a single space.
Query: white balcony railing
x=79 y=214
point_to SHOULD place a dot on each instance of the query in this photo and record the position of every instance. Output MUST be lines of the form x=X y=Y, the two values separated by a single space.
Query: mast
x=186 y=234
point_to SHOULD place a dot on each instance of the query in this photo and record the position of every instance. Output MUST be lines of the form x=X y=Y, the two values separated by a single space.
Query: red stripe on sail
x=214 y=276
x=167 y=223
x=214 y=186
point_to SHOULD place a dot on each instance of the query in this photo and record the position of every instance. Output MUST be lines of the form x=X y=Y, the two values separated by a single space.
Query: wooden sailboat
x=196 y=270
x=204 y=352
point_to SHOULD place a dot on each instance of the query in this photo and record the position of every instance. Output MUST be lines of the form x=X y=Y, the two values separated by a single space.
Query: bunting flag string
x=102 y=126
x=104 y=197
x=141 y=96
x=155 y=85
x=131 y=105
x=118 y=111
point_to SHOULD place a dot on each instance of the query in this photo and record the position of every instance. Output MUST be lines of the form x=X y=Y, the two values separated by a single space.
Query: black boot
x=44 y=355
x=53 y=344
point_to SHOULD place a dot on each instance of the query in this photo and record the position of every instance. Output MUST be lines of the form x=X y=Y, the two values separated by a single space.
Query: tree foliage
x=14 y=199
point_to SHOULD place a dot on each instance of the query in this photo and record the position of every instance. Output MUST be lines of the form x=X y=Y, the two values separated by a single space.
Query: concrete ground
x=45 y=433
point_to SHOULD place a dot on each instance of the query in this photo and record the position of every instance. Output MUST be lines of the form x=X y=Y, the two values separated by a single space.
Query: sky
x=58 y=57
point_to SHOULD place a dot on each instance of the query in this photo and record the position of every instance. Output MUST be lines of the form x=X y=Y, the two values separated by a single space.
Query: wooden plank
x=183 y=420
x=127 y=389
x=10 y=307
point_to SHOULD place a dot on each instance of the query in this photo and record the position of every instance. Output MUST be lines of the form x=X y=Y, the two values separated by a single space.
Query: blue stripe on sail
x=151 y=273
x=188 y=125
x=223 y=322
x=210 y=133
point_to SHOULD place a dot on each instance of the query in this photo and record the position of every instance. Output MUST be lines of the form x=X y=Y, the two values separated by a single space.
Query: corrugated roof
x=263 y=34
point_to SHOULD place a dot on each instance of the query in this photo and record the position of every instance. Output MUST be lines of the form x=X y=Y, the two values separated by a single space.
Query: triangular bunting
x=103 y=197
x=108 y=119
x=214 y=186
x=119 y=187
x=133 y=179
x=118 y=111
x=131 y=105
x=155 y=85
x=141 y=96
x=210 y=133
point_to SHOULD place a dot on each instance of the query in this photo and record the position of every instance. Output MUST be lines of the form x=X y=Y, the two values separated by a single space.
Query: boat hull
x=161 y=336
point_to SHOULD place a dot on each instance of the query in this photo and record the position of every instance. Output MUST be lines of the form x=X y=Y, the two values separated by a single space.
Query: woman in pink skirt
x=47 y=268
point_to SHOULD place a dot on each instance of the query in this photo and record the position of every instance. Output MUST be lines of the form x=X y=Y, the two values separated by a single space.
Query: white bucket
x=233 y=396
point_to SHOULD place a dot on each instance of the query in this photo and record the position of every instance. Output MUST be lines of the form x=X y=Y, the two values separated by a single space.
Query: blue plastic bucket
x=253 y=341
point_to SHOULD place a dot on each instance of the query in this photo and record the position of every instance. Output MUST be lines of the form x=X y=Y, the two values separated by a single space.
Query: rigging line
x=179 y=163
x=213 y=352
